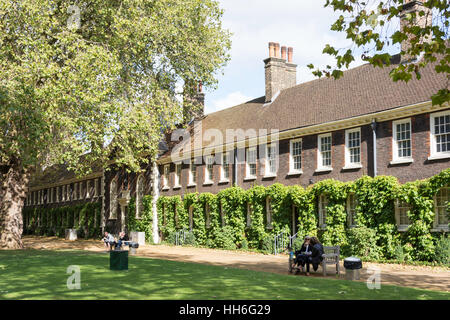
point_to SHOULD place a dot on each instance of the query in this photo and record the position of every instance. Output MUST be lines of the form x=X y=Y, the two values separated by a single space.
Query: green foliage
x=145 y=221
x=370 y=32
x=53 y=221
x=442 y=250
x=362 y=242
x=376 y=237
x=298 y=243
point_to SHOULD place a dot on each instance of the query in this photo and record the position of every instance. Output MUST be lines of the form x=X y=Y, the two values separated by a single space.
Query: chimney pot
x=277 y=50
x=283 y=52
x=290 y=54
x=271 y=49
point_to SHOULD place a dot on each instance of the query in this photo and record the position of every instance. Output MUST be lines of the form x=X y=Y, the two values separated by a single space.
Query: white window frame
x=401 y=205
x=57 y=194
x=348 y=163
x=274 y=157
x=249 y=214
x=249 y=176
x=63 y=193
x=80 y=186
x=113 y=199
x=433 y=143
x=191 y=218
x=165 y=177
x=177 y=176
x=96 y=187
x=139 y=205
x=192 y=175
x=323 y=210
x=292 y=170
x=88 y=188
x=436 y=226
x=320 y=166
x=351 y=216
x=208 y=173
x=208 y=216
x=269 y=213
x=395 y=158
x=225 y=163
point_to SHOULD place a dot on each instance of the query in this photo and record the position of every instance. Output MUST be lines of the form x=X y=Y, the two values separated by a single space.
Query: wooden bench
x=330 y=257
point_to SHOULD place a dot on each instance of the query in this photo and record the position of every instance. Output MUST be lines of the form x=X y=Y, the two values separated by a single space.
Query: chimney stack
x=279 y=73
x=414 y=7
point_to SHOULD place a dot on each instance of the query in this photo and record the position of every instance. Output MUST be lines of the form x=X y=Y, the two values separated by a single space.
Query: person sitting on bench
x=303 y=256
x=109 y=240
x=123 y=237
x=317 y=252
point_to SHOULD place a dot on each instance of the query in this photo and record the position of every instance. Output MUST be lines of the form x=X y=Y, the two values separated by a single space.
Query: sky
x=301 y=24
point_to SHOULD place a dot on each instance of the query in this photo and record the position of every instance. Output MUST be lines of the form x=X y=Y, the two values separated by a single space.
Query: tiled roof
x=362 y=90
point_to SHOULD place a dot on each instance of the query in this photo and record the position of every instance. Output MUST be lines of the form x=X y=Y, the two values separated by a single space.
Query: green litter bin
x=118 y=260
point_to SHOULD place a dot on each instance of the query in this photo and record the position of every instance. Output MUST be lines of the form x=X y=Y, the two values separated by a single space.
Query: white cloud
x=303 y=25
x=232 y=99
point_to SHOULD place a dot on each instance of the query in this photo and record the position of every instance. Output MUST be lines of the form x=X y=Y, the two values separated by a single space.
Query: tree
x=84 y=79
x=372 y=27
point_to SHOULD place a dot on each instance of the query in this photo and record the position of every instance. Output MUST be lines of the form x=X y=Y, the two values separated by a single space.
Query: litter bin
x=118 y=260
x=352 y=266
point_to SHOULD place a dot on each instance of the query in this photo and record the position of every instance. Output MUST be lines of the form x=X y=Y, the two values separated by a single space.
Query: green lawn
x=37 y=274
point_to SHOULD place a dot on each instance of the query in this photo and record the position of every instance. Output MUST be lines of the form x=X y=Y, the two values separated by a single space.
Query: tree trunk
x=14 y=181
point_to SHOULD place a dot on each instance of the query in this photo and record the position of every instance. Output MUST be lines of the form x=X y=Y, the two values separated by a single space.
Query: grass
x=40 y=274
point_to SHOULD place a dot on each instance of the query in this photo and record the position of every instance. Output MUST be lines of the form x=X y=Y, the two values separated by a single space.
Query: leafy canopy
x=80 y=80
x=374 y=29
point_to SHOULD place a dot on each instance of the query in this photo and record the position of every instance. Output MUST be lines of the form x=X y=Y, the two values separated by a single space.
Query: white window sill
x=402 y=228
x=324 y=169
x=401 y=161
x=224 y=181
x=352 y=167
x=165 y=188
x=295 y=173
x=440 y=228
x=177 y=187
x=270 y=175
x=250 y=178
x=439 y=156
x=208 y=183
x=190 y=185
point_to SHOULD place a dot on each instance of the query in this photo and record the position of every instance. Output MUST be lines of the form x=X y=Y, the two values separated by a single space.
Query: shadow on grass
x=40 y=274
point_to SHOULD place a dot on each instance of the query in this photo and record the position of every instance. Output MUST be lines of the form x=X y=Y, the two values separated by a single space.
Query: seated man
x=123 y=238
x=109 y=240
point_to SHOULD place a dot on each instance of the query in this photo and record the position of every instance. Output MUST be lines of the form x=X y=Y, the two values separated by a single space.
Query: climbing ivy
x=53 y=221
x=375 y=211
x=145 y=221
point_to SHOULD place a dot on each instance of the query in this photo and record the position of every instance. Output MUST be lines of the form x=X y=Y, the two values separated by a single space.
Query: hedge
x=374 y=216
x=86 y=218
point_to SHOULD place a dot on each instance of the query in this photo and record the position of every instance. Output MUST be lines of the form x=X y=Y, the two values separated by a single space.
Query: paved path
x=432 y=278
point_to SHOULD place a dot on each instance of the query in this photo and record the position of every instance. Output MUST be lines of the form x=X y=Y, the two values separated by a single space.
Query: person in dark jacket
x=303 y=256
x=317 y=252
x=122 y=237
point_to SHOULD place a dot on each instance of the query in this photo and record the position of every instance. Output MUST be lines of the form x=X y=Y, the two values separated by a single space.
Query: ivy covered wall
x=86 y=218
x=236 y=218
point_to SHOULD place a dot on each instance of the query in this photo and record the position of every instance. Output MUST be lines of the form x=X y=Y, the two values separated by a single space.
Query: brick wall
x=420 y=168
